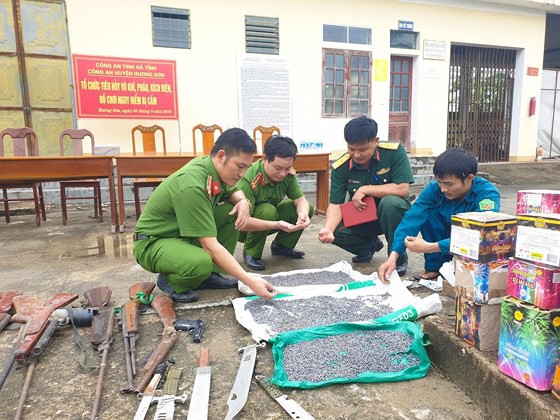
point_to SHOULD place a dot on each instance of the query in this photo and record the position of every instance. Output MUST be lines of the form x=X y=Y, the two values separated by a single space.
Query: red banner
x=108 y=87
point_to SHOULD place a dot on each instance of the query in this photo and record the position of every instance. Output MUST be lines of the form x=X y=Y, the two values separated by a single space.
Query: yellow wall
x=207 y=73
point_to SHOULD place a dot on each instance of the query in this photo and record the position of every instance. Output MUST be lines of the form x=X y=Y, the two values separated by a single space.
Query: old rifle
x=40 y=320
x=30 y=311
x=25 y=306
x=129 y=322
x=57 y=318
x=101 y=335
x=163 y=305
x=6 y=304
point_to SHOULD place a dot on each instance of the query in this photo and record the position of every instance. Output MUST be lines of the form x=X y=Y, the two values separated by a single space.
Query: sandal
x=426 y=275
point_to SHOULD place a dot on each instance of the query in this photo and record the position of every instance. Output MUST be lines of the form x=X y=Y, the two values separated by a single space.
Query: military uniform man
x=190 y=225
x=277 y=202
x=370 y=168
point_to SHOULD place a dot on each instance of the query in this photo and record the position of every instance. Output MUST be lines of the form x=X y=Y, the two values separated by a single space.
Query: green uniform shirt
x=259 y=189
x=389 y=164
x=183 y=204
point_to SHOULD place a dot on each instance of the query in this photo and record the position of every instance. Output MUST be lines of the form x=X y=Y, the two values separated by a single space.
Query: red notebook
x=352 y=217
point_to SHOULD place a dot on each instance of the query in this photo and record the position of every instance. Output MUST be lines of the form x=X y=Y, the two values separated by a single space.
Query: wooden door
x=35 y=81
x=400 y=100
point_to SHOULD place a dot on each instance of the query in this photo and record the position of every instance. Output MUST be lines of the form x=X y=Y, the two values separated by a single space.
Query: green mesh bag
x=410 y=362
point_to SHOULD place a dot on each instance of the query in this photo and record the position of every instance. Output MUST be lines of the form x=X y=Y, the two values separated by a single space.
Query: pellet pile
x=310 y=279
x=293 y=314
x=348 y=355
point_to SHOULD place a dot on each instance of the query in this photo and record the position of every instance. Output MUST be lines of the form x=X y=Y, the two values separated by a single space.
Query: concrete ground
x=463 y=383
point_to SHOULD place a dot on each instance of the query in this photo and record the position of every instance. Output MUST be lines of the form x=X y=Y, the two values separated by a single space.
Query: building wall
x=207 y=73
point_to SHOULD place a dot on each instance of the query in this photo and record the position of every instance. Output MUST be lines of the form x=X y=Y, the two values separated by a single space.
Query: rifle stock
x=6 y=304
x=39 y=322
x=146 y=288
x=163 y=305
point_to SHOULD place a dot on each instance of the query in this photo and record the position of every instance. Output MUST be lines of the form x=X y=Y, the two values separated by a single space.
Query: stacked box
x=538 y=239
x=481 y=282
x=483 y=236
x=538 y=201
x=529 y=343
x=478 y=325
x=556 y=381
x=533 y=283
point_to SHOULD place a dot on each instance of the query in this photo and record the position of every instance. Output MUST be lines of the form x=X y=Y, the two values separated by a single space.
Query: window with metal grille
x=346 y=83
x=404 y=39
x=346 y=34
x=262 y=35
x=171 y=27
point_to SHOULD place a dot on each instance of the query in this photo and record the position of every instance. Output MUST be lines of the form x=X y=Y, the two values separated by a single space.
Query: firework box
x=483 y=236
x=538 y=201
x=534 y=283
x=481 y=282
x=478 y=325
x=556 y=381
x=538 y=239
x=529 y=343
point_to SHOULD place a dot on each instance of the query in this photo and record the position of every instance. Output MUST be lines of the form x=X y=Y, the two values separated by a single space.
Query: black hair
x=455 y=161
x=234 y=141
x=280 y=146
x=360 y=130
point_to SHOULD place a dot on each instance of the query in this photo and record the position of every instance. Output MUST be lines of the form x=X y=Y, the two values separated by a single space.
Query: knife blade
x=166 y=402
x=293 y=409
x=240 y=390
x=198 y=408
x=147 y=397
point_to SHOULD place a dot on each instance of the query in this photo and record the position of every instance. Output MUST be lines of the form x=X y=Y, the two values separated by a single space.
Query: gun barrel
x=45 y=337
x=12 y=358
x=102 y=367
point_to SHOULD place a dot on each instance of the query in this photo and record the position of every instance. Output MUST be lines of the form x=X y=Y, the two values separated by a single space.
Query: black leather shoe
x=377 y=246
x=401 y=269
x=217 y=281
x=252 y=262
x=165 y=287
x=279 y=249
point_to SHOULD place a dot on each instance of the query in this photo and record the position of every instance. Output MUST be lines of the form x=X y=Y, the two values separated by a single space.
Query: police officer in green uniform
x=370 y=168
x=190 y=225
x=277 y=202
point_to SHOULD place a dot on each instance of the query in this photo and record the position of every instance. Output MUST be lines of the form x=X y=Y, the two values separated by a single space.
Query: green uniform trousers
x=360 y=239
x=255 y=241
x=182 y=260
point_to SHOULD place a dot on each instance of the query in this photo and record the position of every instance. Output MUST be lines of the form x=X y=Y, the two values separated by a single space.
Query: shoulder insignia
x=341 y=161
x=388 y=145
x=209 y=186
x=293 y=171
x=213 y=188
x=486 y=204
x=256 y=180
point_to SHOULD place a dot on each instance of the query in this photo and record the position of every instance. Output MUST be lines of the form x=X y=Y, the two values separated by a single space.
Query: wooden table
x=58 y=168
x=129 y=166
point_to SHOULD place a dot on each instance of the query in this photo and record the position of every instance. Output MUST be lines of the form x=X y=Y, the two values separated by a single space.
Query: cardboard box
x=534 y=283
x=538 y=201
x=483 y=236
x=528 y=348
x=478 y=325
x=556 y=381
x=538 y=239
x=481 y=282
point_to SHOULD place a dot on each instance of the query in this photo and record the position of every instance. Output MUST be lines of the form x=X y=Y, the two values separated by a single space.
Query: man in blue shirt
x=456 y=190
